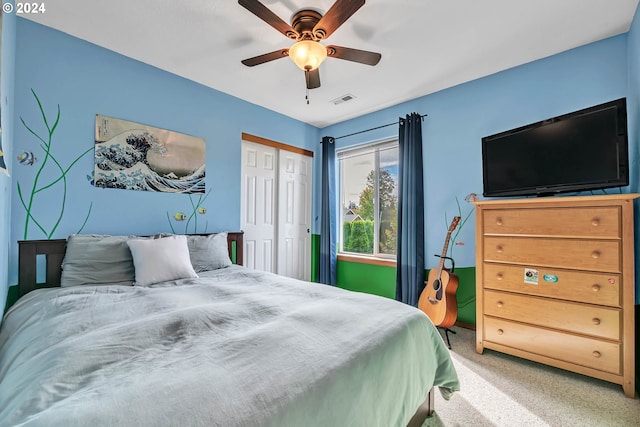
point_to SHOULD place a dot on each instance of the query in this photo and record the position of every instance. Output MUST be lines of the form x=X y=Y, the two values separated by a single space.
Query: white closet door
x=259 y=205
x=294 y=218
x=276 y=210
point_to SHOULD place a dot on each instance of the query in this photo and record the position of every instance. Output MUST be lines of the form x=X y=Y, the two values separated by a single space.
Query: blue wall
x=6 y=101
x=633 y=98
x=85 y=80
x=633 y=113
x=459 y=117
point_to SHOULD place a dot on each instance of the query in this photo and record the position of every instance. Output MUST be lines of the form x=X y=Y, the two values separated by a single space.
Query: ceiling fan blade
x=261 y=59
x=313 y=78
x=355 y=55
x=337 y=14
x=262 y=12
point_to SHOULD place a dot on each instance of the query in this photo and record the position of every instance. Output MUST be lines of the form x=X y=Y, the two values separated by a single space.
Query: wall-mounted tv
x=583 y=150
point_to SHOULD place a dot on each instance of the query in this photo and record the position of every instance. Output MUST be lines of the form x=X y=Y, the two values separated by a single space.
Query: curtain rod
x=377 y=127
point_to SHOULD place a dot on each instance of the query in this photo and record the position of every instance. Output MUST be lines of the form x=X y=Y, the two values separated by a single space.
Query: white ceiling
x=426 y=45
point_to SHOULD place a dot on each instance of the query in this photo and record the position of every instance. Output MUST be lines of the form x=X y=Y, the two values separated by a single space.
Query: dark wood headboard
x=53 y=251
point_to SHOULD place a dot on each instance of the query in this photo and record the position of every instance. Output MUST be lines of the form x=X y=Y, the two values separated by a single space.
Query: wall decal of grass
x=196 y=209
x=58 y=184
x=454 y=236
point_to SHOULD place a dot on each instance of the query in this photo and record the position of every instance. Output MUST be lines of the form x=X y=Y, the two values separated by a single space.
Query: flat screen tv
x=579 y=151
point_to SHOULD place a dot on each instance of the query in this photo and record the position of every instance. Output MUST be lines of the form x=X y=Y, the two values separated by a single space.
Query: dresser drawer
x=574 y=254
x=592 y=288
x=589 y=221
x=601 y=322
x=589 y=352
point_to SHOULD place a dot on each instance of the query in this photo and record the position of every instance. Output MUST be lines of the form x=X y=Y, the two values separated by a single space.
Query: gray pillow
x=209 y=252
x=93 y=259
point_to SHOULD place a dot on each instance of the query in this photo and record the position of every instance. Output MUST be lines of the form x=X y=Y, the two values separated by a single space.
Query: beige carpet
x=501 y=390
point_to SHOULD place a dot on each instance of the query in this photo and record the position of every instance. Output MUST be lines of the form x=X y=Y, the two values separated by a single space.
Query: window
x=369 y=199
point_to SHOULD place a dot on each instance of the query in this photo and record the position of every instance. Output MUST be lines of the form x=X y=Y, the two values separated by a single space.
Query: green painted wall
x=466 y=295
x=381 y=280
x=372 y=279
x=315 y=257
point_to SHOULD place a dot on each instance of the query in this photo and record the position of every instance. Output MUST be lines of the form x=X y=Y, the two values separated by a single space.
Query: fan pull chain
x=307 y=79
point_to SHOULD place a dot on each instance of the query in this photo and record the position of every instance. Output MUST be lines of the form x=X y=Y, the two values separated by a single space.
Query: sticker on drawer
x=531 y=276
x=551 y=278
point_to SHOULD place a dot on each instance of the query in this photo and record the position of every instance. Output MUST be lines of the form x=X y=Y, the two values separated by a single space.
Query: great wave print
x=132 y=156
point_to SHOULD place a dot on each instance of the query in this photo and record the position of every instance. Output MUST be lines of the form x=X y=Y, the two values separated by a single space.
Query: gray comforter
x=235 y=347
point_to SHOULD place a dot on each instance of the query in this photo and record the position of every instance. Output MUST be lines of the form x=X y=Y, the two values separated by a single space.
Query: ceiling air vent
x=343 y=98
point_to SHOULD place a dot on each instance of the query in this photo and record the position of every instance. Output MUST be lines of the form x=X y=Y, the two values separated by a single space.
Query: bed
x=228 y=346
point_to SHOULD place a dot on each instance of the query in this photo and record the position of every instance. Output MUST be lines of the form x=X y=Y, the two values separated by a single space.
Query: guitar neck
x=452 y=227
x=444 y=253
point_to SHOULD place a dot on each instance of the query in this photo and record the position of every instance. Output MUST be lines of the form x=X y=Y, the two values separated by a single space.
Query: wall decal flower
x=196 y=209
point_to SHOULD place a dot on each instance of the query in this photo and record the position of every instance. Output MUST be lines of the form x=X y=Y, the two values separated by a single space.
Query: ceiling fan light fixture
x=308 y=54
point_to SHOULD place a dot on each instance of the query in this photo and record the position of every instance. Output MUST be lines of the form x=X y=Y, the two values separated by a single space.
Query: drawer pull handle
x=595 y=222
x=499 y=249
x=498 y=221
x=499 y=304
x=595 y=321
x=499 y=276
x=595 y=288
x=596 y=354
x=500 y=332
x=595 y=254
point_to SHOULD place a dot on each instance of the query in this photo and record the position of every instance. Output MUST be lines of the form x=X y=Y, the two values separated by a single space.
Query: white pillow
x=160 y=260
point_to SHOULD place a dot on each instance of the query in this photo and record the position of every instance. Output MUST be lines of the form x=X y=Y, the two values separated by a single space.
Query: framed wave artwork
x=133 y=156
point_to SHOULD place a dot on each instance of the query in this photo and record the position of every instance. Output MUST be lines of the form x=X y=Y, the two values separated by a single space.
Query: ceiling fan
x=308 y=27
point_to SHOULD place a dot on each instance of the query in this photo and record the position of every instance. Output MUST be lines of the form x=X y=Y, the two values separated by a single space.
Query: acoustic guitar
x=438 y=299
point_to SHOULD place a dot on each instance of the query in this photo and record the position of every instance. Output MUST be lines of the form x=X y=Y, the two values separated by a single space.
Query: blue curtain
x=410 y=240
x=328 y=226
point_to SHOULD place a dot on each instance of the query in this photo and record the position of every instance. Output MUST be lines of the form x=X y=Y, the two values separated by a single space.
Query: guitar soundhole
x=437 y=286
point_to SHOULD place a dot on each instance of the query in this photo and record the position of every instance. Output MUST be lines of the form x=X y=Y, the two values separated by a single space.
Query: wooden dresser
x=555 y=283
